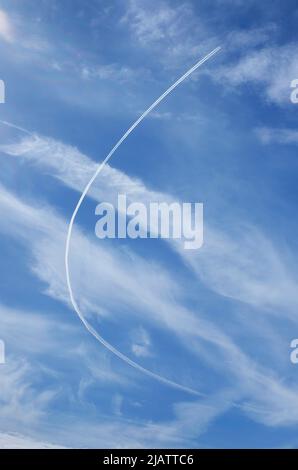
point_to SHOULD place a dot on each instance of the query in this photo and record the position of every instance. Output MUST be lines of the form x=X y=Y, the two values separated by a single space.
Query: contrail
x=70 y=228
x=13 y=126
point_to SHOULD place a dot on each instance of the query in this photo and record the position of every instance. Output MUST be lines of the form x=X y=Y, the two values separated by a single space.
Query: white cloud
x=180 y=34
x=31 y=333
x=189 y=421
x=21 y=402
x=248 y=378
x=31 y=386
x=247 y=39
x=69 y=165
x=152 y=25
x=117 y=402
x=113 y=281
x=113 y=72
x=18 y=441
x=269 y=135
x=275 y=404
x=26 y=400
x=141 y=343
x=6 y=29
x=243 y=265
x=271 y=68
x=176 y=32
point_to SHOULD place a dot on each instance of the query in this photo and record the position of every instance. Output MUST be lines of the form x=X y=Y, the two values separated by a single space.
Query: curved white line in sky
x=70 y=227
x=13 y=126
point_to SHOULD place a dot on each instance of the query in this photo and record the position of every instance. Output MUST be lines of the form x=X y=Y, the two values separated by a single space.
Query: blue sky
x=218 y=320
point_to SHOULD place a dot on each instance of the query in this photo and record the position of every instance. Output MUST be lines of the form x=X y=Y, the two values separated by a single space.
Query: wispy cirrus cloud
x=226 y=314
x=27 y=400
x=251 y=378
x=176 y=32
x=164 y=22
x=6 y=28
x=271 y=69
x=23 y=402
x=18 y=441
x=180 y=34
x=141 y=343
x=257 y=269
x=269 y=135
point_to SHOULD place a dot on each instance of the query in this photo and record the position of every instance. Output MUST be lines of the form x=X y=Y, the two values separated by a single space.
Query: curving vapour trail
x=13 y=126
x=70 y=228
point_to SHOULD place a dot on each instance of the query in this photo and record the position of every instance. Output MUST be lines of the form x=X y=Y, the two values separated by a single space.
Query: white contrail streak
x=70 y=228
x=13 y=126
